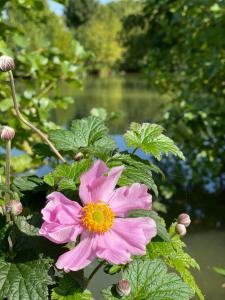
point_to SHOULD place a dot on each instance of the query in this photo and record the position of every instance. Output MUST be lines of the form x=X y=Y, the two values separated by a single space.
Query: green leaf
x=160 y=223
x=88 y=130
x=136 y=170
x=174 y=256
x=88 y=134
x=23 y=225
x=150 y=139
x=25 y=281
x=27 y=183
x=63 y=139
x=220 y=271
x=149 y=280
x=67 y=176
x=69 y=289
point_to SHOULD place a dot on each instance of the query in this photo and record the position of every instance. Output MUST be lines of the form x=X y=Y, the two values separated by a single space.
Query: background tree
x=78 y=12
x=46 y=54
x=180 y=47
x=100 y=35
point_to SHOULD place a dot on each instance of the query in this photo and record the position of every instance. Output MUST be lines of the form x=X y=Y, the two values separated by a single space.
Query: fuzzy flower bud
x=7 y=133
x=181 y=229
x=6 y=63
x=14 y=207
x=184 y=219
x=123 y=288
x=79 y=156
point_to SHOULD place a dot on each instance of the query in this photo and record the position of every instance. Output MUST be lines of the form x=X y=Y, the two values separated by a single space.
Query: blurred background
x=130 y=60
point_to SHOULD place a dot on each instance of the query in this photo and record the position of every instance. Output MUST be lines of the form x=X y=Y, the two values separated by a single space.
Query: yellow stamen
x=98 y=217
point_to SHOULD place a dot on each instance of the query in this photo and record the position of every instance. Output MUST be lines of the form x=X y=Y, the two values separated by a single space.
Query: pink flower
x=105 y=232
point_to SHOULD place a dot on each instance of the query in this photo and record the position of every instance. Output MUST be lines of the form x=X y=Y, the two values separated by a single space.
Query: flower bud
x=123 y=288
x=7 y=133
x=79 y=156
x=6 y=63
x=14 y=207
x=180 y=229
x=184 y=219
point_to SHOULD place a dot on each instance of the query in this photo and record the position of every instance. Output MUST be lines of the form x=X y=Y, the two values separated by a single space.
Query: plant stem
x=135 y=149
x=7 y=163
x=94 y=272
x=20 y=116
x=7 y=176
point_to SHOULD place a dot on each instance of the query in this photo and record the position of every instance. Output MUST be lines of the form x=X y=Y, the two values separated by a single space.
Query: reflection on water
x=139 y=103
x=131 y=95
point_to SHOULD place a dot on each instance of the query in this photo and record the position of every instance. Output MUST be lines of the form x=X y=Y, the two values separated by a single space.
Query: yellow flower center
x=98 y=217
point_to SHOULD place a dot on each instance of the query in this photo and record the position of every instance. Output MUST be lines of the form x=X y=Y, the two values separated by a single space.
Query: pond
x=133 y=97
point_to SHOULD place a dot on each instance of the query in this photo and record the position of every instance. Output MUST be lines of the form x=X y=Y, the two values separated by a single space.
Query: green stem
x=135 y=149
x=7 y=175
x=94 y=272
x=7 y=163
x=20 y=116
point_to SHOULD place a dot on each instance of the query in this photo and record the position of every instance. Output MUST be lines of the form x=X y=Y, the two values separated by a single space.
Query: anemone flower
x=105 y=231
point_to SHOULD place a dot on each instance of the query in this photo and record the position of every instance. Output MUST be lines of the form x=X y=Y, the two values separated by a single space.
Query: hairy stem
x=94 y=272
x=20 y=116
x=7 y=163
x=7 y=176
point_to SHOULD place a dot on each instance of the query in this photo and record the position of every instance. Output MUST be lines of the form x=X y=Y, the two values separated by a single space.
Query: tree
x=100 y=35
x=46 y=54
x=182 y=53
x=78 y=12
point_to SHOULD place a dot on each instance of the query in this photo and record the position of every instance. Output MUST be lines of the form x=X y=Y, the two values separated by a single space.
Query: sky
x=58 y=8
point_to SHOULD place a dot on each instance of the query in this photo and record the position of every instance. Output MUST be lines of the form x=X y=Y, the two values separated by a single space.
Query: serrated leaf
x=88 y=130
x=136 y=170
x=151 y=140
x=63 y=139
x=67 y=176
x=88 y=134
x=27 y=183
x=25 y=281
x=23 y=225
x=69 y=289
x=160 y=223
x=174 y=256
x=149 y=280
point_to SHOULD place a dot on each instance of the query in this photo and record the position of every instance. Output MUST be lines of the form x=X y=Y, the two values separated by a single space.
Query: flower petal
x=60 y=234
x=79 y=257
x=127 y=237
x=96 y=185
x=127 y=198
x=60 y=209
x=135 y=233
x=108 y=247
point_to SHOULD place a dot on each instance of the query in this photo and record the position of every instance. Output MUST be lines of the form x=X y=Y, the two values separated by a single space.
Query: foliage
x=149 y=280
x=86 y=135
x=25 y=281
x=220 y=271
x=100 y=35
x=150 y=139
x=182 y=54
x=174 y=256
x=68 y=289
x=46 y=54
x=78 y=12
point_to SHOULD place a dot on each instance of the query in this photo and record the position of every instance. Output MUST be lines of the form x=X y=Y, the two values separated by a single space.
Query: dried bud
x=123 y=288
x=181 y=229
x=6 y=63
x=14 y=207
x=79 y=156
x=7 y=133
x=184 y=219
